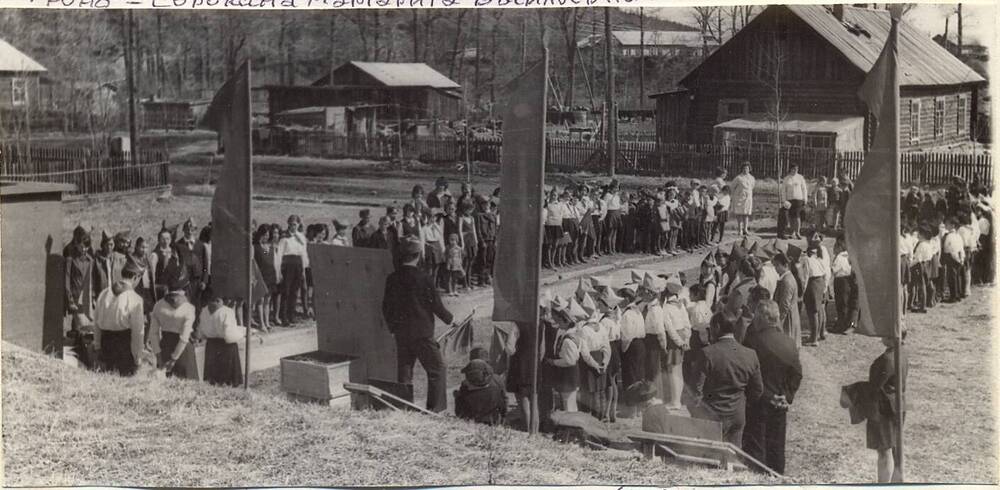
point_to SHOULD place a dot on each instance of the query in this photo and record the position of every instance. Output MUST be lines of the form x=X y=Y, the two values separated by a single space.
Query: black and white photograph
x=366 y=243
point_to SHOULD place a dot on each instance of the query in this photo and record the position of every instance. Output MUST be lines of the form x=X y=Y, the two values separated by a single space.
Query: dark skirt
x=309 y=277
x=553 y=233
x=815 y=290
x=587 y=227
x=651 y=368
x=613 y=220
x=590 y=380
x=633 y=362
x=519 y=365
x=615 y=364
x=433 y=255
x=571 y=228
x=562 y=379
x=880 y=434
x=186 y=366
x=222 y=363
x=116 y=352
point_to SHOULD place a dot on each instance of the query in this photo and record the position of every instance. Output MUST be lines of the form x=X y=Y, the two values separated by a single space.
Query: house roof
x=401 y=75
x=921 y=60
x=652 y=38
x=11 y=59
x=796 y=123
x=860 y=38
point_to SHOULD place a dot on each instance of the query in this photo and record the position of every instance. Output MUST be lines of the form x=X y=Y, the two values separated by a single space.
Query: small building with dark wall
x=21 y=90
x=167 y=114
x=32 y=265
x=408 y=91
x=820 y=56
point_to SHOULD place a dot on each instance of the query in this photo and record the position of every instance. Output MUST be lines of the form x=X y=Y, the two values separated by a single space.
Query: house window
x=915 y=120
x=732 y=109
x=960 y=114
x=938 y=121
x=18 y=92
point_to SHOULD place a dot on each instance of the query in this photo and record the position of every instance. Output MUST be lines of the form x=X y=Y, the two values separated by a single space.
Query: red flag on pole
x=872 y=216
x=232 y=257
x=522 y=174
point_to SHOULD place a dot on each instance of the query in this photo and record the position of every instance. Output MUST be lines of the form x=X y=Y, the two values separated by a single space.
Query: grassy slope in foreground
x=69 y=427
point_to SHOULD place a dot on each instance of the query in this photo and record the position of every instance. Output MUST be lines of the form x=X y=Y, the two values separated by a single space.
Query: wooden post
x=130 y=75
x=611 y=130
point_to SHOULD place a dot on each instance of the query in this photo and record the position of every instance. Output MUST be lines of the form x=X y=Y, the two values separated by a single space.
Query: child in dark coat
x=481 y=398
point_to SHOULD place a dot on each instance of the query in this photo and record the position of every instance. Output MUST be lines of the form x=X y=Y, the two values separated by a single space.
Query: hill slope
x=64 y=426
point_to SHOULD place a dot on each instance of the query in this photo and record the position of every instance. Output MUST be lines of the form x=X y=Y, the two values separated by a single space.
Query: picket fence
x=634 y=157
x=92 y=173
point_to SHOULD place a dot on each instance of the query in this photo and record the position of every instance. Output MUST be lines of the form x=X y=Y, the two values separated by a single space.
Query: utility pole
x=593 y=54
x=610 y=114
x=642 y=59
x=959 y=53
x=130 y=75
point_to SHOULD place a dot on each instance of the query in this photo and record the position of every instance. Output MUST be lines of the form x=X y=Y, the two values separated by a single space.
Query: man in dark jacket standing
x=729 y=378
x=409 y=306
x=781 y=372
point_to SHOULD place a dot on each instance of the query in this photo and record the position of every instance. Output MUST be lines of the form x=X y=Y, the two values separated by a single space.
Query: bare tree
x=568 y=25
x=456 y=54
x=704 y=17
x=769 y=57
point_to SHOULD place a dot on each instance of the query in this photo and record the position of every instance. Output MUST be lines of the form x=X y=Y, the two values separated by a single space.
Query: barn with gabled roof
x=799 y=67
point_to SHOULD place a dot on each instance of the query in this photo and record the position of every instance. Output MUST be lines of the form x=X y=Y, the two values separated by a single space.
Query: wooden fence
x=91 y=173
x=634 y=157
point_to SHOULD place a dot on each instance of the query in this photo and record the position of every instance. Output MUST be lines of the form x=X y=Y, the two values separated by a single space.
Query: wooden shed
x=32 y=268
x=408 y=91
x=818 y=56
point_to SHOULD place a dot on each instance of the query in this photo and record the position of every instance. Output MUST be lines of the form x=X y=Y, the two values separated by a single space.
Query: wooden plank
x=385 y=396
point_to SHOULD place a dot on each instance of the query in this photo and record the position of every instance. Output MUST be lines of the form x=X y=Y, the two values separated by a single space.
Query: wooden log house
x=816 y=57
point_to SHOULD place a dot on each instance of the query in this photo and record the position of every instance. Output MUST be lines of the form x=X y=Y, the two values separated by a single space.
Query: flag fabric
x=459 y=337
x=522 y=175
x=498 y=350
x=872 y=215
x=229 y=114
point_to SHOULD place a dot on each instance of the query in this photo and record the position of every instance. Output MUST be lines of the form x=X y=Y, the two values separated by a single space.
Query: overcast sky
x=979 y=25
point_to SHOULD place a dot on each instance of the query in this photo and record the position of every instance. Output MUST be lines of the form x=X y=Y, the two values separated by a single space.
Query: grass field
x=64 y=426
x=57 y=429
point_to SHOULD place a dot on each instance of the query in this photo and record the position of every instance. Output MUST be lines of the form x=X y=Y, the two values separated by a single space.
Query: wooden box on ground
x=317 y=376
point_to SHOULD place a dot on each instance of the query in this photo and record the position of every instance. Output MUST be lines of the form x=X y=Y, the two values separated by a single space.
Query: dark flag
x=872 y=216
x=232 y=255
x=522 y=174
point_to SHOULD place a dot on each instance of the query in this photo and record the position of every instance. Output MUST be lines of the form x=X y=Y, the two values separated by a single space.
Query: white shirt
x=220 y=325
x=633 y=326
x=699 y=314
x=841 y=265
x=556 y=212
x=613 y=201
x=795 y=188
x=907 y=243
x=677 y=323
x=594 y=340
x=612 y=327
x=924 y=251
x=725 y=200
x=954 y=246
x=294 y=245
x=166 y=318
x=569 y=351
x=120 y=312
x=970 y=235
x=814 y=267
x=768 y=278
x=655 y=323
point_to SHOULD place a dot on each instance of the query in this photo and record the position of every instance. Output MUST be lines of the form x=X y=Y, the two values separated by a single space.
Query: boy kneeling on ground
x=481 y=398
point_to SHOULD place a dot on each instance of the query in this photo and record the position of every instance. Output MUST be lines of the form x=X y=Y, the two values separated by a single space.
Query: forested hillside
x=188 y=54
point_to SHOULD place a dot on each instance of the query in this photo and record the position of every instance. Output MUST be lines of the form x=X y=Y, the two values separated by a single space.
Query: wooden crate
x=317 y=375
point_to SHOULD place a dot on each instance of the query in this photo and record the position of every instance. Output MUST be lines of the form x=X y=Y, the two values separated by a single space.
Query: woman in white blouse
x=170 y=327
x=218 y=325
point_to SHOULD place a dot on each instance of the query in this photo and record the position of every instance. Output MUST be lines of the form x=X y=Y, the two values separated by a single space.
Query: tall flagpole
x=536 y=351
x=897 y=228
x=247 y=307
